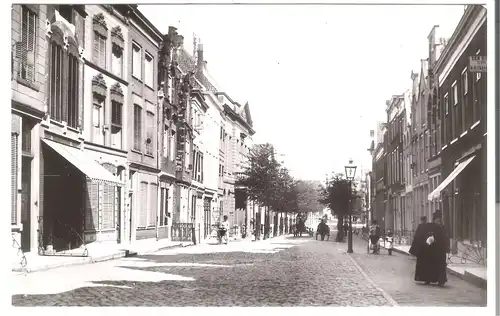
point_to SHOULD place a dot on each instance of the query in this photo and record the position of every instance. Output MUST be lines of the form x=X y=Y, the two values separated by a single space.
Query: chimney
x=201 y=61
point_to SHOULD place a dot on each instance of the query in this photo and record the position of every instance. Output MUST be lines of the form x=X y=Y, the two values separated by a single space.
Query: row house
x=394 y=213
x=64 y=193
x=408 y=217
x=117 y=133
x=419 y=142
x=236 y=137
x=461 y=112
x=222 y=131
x=379 y=172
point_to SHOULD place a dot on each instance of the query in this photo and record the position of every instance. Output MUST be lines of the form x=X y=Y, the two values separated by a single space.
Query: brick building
x=462 y=112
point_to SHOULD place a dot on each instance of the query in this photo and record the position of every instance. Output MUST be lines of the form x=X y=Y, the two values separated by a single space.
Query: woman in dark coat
x=430 y=246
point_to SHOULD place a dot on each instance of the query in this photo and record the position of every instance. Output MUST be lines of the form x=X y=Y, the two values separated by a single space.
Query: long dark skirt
x=431 y=266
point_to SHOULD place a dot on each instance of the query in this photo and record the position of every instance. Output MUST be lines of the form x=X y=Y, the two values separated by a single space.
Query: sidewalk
x=97 y=252
x=470 y=272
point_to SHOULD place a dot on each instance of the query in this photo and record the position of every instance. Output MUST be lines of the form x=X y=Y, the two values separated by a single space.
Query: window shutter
x=149 y=132
x=108 y=207
x=92 y=206
x=143 y=205
x=102 y=52
x=152 y=204
x=14 y=166
x=96 y=50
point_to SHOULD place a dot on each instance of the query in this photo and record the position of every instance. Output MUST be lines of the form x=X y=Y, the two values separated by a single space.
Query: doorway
x=130 y=203
x=26 y=203
x=207 y=217
x=63 y=218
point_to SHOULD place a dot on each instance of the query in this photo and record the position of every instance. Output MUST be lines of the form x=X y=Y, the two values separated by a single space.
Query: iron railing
x=24 y=261
x=472 y=253
x=182 y=231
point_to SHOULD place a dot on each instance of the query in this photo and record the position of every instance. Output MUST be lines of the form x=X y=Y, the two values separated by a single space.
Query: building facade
x=105 y=87
x=394 y=152
x=462 y=105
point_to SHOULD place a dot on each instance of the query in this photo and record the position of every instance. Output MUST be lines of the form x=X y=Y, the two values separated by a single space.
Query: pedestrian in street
x=322 y=230
x=423 y=221
x=224 y=230
x=430 y=246
x=374 y=235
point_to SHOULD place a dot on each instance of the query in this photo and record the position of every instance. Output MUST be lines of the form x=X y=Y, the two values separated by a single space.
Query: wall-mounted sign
x=477 y=63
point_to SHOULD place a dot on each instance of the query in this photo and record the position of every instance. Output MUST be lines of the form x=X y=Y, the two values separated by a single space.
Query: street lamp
x=350 y=171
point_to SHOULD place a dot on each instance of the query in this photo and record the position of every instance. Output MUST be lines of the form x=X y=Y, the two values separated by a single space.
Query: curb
x=90 y=260
x=466 y=276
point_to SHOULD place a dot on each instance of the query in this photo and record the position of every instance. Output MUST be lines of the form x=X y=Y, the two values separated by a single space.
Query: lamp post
x=350 y=171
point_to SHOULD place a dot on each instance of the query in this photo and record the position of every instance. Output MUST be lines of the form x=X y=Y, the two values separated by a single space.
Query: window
x=478 y=74
x=73 y=86
x=116 y=125
x=136 y=61
x=97 y=118
x=446 y=104
x=64 y=82
x=166 y=141
x=150 y=128
x=454 y=89
x=108 y=206
x=153 y=198
x=99 y=53
x=116 y=61
x=465 y=82
x=14 y=146
x=137 y=127
x=148 y=70
x=143 y=213
x=187 y=150
x=172 y=146
x=26 y=51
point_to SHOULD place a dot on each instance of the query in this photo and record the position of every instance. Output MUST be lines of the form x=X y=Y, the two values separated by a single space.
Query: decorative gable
x=117 y=38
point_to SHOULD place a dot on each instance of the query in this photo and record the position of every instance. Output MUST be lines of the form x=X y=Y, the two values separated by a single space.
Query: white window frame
x=136 y=68
x=148 y=73
x=465 y=83
x=478 y=74
x=454 y=90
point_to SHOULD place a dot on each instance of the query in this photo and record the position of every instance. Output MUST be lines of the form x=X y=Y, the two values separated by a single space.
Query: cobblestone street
x=276 y=272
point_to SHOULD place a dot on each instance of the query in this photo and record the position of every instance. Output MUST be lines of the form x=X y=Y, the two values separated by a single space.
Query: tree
x=309 y=195
x=336 y=197
x=261 y=176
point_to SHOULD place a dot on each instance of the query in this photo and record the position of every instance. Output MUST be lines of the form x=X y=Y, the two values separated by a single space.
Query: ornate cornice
x=99 y=86
x=99 y=24
x=117 y=37
x=117 y=93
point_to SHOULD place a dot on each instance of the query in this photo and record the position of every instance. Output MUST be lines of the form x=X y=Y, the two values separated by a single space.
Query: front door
x=131 y=213
x=118 y=210
x=25 y=204
x=207 y=217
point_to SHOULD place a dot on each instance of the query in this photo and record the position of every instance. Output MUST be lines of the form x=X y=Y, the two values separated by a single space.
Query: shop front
x=79 y=199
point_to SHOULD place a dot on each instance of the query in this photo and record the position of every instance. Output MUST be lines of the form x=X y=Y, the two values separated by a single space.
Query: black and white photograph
x=251 y=155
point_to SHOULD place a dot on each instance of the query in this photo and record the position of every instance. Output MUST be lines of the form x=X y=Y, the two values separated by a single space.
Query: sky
x=316 y=77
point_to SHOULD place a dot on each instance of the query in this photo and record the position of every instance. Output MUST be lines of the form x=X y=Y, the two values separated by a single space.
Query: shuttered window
x=150 y=127
x=108 y=206
x=56 y=82
x=14 y=167
x=92 y=206
x=26 y=51
x=143 y=214
x=153 y=207
x=99 y=51
x=116 y=124
x=73 y=71
x=137 y=127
